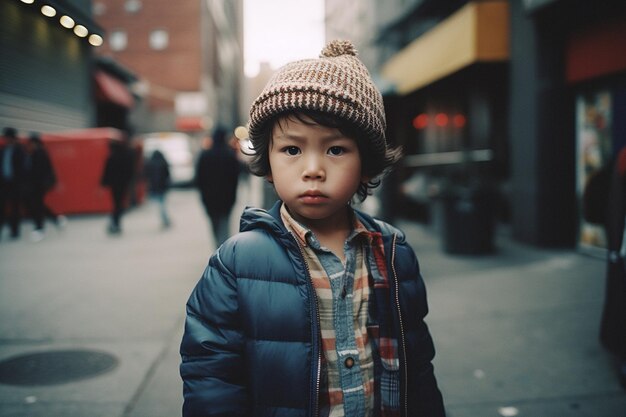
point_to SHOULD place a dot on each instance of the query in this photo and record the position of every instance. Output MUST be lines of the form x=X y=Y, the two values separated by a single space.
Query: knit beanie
x=337 y=83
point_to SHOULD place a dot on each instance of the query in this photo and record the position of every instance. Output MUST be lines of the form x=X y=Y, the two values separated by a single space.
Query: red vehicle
x=78 y=158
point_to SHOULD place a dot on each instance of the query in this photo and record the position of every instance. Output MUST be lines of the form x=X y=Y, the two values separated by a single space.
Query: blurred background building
x=515 y=102
x=162 y=66
x=524 y=96
x=188 y=56
x=84 y=73
x=46 y=70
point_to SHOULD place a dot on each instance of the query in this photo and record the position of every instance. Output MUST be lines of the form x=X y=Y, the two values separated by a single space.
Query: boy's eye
x=291 y=150
x=336 y=150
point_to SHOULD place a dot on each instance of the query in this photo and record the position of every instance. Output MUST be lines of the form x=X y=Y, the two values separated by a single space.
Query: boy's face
x=315 y=170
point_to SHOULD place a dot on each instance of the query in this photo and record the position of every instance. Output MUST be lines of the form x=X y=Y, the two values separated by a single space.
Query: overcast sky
x=279 y=31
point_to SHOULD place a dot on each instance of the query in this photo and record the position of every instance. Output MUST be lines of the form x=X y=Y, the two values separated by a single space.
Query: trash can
x=469 y=219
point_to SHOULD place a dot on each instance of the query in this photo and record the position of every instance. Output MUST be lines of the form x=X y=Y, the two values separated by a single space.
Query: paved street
x=516 y=332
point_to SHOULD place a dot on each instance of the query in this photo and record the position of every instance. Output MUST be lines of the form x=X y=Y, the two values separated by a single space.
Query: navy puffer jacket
x=251 y=345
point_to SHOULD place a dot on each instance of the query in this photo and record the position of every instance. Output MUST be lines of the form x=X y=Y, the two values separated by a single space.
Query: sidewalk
x=81 y=288
x=515 y=332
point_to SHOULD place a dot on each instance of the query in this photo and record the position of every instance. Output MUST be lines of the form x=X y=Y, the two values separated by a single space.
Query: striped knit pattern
x=331 y=396
x=337 y=83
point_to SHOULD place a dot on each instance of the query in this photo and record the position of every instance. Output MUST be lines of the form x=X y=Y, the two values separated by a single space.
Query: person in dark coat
x=39 y=178
x=613 y=324
x=117 y=175
x=217 y=175
x=157 y=175
x=11 y=181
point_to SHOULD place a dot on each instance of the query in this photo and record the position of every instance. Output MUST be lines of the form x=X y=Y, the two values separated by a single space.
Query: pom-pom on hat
x=337 y=83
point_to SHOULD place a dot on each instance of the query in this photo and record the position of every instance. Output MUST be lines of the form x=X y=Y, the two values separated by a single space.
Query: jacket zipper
x=317 y=316
x=402 y=341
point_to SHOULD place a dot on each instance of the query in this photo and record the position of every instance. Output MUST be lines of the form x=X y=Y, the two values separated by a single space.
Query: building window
x=159 y=39
x=132 y=6
x=118 y=40
x=99 y=8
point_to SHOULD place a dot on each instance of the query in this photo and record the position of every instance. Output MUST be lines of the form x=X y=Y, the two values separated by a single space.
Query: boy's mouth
x=313 y=196
x=312 y=193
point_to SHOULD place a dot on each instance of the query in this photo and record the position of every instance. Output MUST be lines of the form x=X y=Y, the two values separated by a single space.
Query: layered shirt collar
x=306 y=238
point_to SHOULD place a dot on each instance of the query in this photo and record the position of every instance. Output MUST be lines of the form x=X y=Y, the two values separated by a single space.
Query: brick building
x=187 y=56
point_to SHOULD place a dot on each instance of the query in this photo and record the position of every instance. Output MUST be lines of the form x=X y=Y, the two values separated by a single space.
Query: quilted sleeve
x=212 y=365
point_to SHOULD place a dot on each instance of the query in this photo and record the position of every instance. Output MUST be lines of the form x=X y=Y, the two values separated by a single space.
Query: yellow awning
x=478 y=32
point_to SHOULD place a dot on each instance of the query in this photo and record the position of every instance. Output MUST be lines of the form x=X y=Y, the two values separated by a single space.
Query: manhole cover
x=55 y=367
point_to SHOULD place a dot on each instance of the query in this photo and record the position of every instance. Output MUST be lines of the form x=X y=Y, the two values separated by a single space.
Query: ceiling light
x=81 y=31
x=95 y=40
x=48 y=11
x=67 y=21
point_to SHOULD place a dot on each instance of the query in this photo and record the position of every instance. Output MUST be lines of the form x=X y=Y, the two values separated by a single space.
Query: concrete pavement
x=81 y=288
x=516 y=332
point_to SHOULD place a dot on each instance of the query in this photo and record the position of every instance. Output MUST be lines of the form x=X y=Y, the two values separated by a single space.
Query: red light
x=441 y=119
x=420 y=121
x=459 y=120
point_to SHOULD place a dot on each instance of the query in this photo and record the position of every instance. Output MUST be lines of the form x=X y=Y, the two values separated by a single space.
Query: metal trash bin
x=469 y=214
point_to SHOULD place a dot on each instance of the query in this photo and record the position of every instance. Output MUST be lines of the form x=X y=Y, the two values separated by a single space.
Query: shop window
x=595 y=143
x=159 y=39
x=118 y=40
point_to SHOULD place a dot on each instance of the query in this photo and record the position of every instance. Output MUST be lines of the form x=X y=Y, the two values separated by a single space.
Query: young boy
x=314 y=309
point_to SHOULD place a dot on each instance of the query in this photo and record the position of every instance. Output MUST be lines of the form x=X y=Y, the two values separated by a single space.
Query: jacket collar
x=270 y=220
x=256 y=218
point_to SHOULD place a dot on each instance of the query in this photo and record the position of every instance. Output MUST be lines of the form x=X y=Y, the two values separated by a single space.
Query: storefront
x=46 y=66
x=532 y=92
x=567 y=69
x=113 y=97
x=447 y=106
x=596 y=71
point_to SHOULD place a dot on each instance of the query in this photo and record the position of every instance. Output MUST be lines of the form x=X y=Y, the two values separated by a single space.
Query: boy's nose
x=313 y=170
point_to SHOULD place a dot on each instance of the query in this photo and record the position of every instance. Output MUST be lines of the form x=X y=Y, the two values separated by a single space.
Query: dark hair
x=157 y=155
x=9 y=132
x=219 y=135
x=35 y=137
x=374 y=163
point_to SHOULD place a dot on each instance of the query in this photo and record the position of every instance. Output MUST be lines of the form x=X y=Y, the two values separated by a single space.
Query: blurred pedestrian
x=11 y=181
x=314 y=308
x=613 y=324
x=217 y=175
x=117 y=175
x=157 y=175
x=39 y=179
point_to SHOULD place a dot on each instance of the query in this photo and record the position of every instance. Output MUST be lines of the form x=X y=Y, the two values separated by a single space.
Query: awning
x=597 y=50
x=109 y=88
x=478 y=32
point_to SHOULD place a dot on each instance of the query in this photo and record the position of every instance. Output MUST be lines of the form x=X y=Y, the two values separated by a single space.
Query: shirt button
x=349 y=362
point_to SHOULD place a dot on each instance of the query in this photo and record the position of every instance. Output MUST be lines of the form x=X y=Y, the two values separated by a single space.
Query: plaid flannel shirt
x=376 y=348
